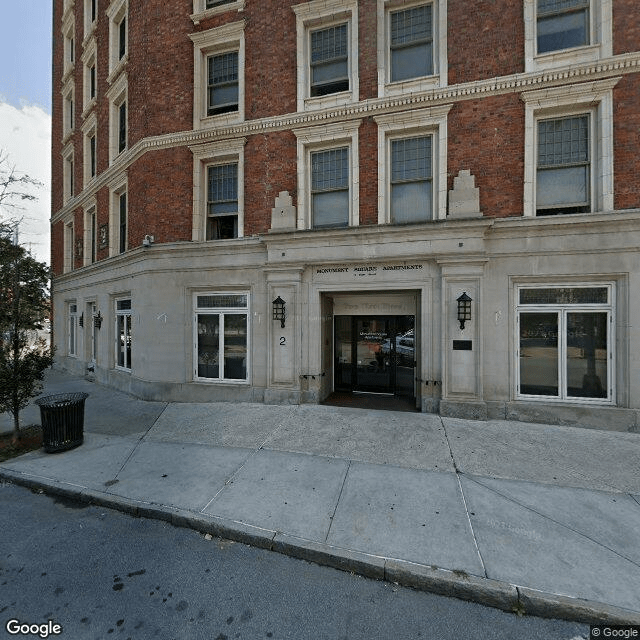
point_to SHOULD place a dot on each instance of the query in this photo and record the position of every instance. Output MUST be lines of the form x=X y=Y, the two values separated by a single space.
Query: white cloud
x=25 y=134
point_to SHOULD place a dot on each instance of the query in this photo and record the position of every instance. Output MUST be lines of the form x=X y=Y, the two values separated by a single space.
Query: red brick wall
x=626 y=142
x=485 y=39
x=57 y=247
x=368 y=139
x=626 y=26
x=487 y=137
x=270 y=167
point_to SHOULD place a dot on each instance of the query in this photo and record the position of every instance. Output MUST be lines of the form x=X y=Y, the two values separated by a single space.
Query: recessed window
x=118 y=37
x=222 y=337
x=216 y=3
x=123 y=334
x=222 y=201
x=72 y=330
x=90 y=234
x=329 y=60
x=562 y=24
x=330 y=187
x=122 y=222
x=411 y=43
x=564 y=167
x=564 y=343
x=118 y=217
x=411 y=180
x=122 y=127
x=222 y=84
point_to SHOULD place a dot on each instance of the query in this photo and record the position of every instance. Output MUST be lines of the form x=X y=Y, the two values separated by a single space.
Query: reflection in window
x=562 y=24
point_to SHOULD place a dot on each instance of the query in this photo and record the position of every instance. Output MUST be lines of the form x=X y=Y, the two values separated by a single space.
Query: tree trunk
x=16 y=427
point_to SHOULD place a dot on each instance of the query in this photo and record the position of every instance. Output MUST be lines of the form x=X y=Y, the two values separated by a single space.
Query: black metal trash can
x=62 y=417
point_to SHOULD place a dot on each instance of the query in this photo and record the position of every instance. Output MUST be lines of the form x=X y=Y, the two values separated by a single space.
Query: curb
x=456 y=584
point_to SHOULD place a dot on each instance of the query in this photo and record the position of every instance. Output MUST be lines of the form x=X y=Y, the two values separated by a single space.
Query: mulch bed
x=30 y=439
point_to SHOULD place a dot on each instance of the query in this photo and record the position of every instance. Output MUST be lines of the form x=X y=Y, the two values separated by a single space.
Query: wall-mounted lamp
x=81 y=319
x=279 y=312
x=97 y=320
x=148 y=241
x=464 y=309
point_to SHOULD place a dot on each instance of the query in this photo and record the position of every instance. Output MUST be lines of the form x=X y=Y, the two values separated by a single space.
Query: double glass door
x=375 y=354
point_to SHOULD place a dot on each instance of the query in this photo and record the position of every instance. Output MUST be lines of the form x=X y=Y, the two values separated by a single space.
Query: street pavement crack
x=464 y=500
x=333 y=515
x=550 y=519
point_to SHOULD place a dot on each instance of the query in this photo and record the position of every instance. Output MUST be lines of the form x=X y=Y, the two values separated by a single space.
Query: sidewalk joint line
x=464 y=500
x=253 y=453
x=333 y=515
x=546 y=517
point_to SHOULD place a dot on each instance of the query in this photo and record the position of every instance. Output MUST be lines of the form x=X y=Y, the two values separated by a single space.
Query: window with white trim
x=118 y=117
x=327 y=45
x=221 y=337
x=118 y=219
x=89 y=164
x=564 y=343
x=413 y=54
x=565 y=32
x=203 y=9
x=89 y=57
x=90 y=234
x=68 y=110
x=218 y=187
x=123 y=333
x=90 y=16
x=118 y=37
x=412 y=166
x=69 y=45
x=218 y=75
x=72 y=329
x=69 y=247
x=68 y=170
x=328 y=176
x=569 y=149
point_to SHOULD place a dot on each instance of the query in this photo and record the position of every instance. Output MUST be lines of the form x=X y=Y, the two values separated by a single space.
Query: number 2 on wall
x=283 y=341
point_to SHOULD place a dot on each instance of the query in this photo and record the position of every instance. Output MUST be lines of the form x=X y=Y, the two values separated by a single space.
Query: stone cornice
x=517 y=83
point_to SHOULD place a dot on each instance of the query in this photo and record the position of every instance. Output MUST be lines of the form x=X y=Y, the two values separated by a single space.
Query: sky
x=25 y=109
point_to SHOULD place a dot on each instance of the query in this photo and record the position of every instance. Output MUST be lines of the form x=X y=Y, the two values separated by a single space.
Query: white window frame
x=562 y=310
x=90 y=216
x=117 y=95
x=89 y=25
x=322 y=138
x=410 y=124
x=116 y=189
x=68 y=110
x=89 y=61
x=224 y=39
x=68 y=243
x=72 y=329
x=439 y=78
x=116 y=12
x=320 y=14
x=70 y=48
x=221 y=311
x=200 y=12
x=600 y=37
x=595 y=98
x=69 y=189
x=118 y=313
x=89 y=130
x=205 y=155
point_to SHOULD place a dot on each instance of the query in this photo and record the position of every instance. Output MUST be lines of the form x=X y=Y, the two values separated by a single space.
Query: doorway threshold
x=376 y=401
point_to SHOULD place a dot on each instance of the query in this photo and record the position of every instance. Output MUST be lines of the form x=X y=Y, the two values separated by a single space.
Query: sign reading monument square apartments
x=368 y=271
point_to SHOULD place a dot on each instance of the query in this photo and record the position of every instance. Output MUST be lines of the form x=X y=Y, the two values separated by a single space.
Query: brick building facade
x=367 y=162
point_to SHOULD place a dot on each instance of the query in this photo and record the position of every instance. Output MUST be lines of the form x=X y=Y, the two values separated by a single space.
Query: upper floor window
x=564 y=166
x=327 y=43
x=118 y=37
x=209 y=4
x=118 y=117
x=568 y=159
x=203 y=9
x=329 y=60
x=562 y=24
x=123 y=334
x=222 y=201
x=118 y=217
x=414 y=34
x=90 y=15
x=218 y=91
x=72 y=329
x=222 y=85
x=330 y=188
x=565 y=32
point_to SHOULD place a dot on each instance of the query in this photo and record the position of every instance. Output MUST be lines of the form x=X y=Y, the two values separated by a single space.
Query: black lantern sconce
x=81 y=319
x=97 y=320
x=464 y=309
x=279 y=312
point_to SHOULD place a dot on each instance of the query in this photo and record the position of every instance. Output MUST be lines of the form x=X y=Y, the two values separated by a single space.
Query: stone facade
x=191 y=318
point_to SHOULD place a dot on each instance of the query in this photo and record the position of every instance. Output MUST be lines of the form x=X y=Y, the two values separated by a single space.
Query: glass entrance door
x=375 y=354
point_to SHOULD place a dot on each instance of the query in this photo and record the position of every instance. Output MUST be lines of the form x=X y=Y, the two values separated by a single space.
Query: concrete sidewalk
x=538 y=519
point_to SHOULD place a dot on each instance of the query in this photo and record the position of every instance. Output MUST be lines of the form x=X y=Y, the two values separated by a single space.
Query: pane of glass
x=128 y=341
x=123 y=304
x=539 y=354
x=565 y=295
x=411 y=202
x=411 y=25
x=208 y=345
x=235 y=346
x=331 y=209
x=562 y=187
x=373 y=353
x=330 y=169
x=412 y=62
x=121 y=340
x=411 y=159
x=329 y=71
x=222 y=301
x=330 y=43
x=72 y=335
x=587 y=355
x=222 y=95
x=551 y=6
x=563 y=31
x=222 y=228
x=343 y=346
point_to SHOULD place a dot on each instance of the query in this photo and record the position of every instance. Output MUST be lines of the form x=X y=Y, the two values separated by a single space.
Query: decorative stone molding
x=464 y=198
x=283 y=214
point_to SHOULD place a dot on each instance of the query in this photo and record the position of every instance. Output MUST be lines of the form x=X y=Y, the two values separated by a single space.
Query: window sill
x=221 y=120
x=332 y=100
x=211 y=381
x=118 y=69
x=415 y=85
x=564 y=58
x=89 y=107
x=197 y=18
